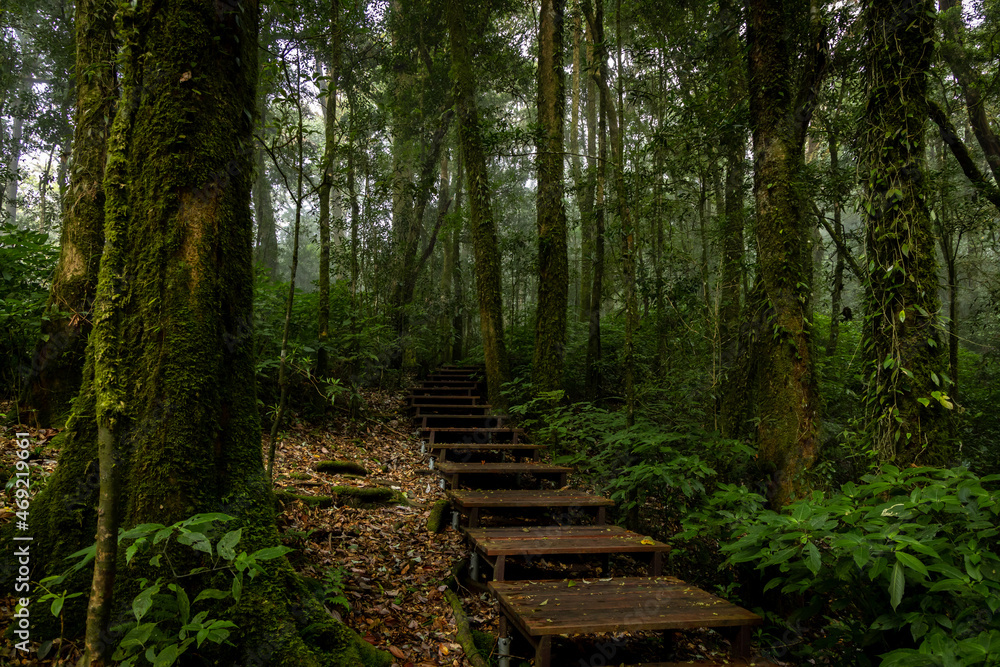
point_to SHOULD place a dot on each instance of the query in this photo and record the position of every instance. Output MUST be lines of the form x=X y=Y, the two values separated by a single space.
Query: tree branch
x=961 y=153
x=841 y=246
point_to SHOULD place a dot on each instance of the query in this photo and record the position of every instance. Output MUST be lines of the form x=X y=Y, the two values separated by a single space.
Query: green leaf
x=237 y=587
x=211 y=594
x=268 y=553
x=57 y=606
x=813 y=560
x=167 y=656
x=228 y=541
x=144 y=601
x=196 y=541
x=902 y=315
x=897 y=583
x=183 y=603
x=912 y=562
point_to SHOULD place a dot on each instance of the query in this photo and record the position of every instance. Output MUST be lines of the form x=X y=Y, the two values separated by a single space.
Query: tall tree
x=785 y=392
x=597 y=157
x=906 y=392
x=57 y=364
x=484 y=234
x=553 y=263
x=326 y=187
x=169 y=398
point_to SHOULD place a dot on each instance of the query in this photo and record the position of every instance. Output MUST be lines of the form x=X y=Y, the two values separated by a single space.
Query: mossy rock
x=437 y=520
x=341 y=468
x=351 y=496
x=299 y=475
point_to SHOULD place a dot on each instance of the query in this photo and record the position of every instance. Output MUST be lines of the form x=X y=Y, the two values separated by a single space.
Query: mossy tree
x=782 y=384
x=553 y=263
x=907 y=395
x=57 y=363
x=169 y=384
x=483 y=227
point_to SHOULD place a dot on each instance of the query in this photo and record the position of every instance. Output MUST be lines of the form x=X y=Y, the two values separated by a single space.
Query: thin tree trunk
x=58 y=361
x=483 y=227
x=283 y=366
x=330 y=140
x=598 y=168
x=553 y=267
x=838 y=270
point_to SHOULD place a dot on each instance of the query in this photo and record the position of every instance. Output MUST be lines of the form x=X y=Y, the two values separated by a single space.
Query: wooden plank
x=452 y=451
x=451 y=468
x=561 y=540
x=616 y=605
x=521 y=498
x=443 y=399
x=468 y=435
x=421 y=409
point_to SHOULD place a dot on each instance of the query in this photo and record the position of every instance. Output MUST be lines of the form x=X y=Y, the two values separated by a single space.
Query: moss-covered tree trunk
x=171 y=354
x=786 y=394
x=484 y=233
x=597 y=166
x=57 y=363
x=553 y=265
x=326 y=189
x=907 y=396
x=734 y=145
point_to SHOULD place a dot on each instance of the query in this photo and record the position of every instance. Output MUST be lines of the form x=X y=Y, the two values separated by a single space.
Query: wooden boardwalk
x=472 y=448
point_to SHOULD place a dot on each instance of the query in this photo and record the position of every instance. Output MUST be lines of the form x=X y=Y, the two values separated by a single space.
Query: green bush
x=905 y=564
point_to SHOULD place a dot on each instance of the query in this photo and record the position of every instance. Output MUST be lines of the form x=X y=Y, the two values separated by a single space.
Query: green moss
x=436 y=521
x=341 y=467
x=351 y=496
x=298 y=475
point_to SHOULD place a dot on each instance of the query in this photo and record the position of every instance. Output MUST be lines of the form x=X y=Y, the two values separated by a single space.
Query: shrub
x=905 y=564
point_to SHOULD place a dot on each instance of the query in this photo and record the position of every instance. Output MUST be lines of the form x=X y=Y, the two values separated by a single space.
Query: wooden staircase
x=473 y=448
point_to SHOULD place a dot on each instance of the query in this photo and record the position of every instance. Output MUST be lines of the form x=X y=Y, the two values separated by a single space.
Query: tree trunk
x=553 y=266
x=172 y=348
x=787 y=401
x=484 y=234
x=598 y=168
x=330 y=140
x=838 y=269
x=57 y=364
x=906 y=397
x=266 y=247
x=734 y=145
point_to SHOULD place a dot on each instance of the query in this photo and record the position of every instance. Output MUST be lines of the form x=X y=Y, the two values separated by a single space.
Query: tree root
x=463 y=631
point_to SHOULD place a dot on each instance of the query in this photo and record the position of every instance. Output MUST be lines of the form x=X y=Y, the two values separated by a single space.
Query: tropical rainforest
x=735 y=262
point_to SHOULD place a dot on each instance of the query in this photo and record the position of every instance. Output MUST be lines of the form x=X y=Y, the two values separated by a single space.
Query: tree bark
x=330 y=143
x=172 y=348
x=838 y=270
x=484 y=235
x=553 y=265
x=906 y=398
x=597 y=166
x=57 y=363
x=786 y=394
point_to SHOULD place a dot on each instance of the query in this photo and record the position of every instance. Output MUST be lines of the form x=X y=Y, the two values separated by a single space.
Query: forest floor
x=383 y=572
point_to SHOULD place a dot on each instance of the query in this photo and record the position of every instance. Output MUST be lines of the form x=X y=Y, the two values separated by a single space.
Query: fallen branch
x=463 y=632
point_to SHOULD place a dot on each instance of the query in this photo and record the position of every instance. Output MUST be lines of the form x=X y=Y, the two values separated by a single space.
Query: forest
x=733 y=263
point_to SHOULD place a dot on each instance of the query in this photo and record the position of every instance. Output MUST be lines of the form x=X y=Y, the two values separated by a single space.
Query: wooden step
x=541 y=609
x=456 y=473
x=471 y=435
x=461 y=421
x=458 y=384
x=472 y=503
x=443 y=399
x=497 y=544
x=443 y=391
x=422 y=409
x=454 y=451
